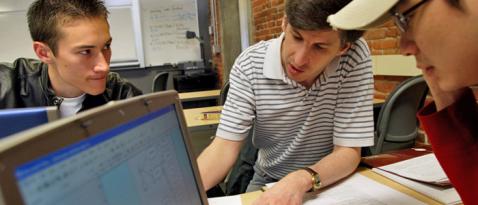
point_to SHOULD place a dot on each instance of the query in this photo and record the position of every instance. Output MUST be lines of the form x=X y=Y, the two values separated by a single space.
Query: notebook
x=19 y=119
x=135 y=151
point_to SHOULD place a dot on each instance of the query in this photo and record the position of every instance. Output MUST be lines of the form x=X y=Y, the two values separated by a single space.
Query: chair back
x=397 y=124
x=223 y=94
x=161 y=82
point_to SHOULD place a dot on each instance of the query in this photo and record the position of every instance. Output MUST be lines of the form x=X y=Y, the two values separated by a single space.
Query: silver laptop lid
x=135 y=151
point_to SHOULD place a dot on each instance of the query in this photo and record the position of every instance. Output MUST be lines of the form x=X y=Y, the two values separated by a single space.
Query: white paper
x=225 y=200
x=443 y=195
x=269 y=185
x=424 y=168
x=358 y=189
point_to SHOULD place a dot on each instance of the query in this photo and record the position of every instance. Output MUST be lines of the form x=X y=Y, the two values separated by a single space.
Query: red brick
x=378 y=33
x=389 y=23
x=385 y=86
x=374 y=44
x=388 y=43
x=392 y=32
x=377 y=52
x=391 y=51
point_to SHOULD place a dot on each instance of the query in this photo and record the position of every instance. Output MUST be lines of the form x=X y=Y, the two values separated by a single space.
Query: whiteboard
x=14 y=37
x=123 y=46
x=16 y=42
x=164 y=25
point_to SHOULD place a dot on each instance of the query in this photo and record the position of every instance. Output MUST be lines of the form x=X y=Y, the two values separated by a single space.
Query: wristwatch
x=316 y=184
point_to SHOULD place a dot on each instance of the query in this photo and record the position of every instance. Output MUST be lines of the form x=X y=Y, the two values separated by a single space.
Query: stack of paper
x=359 y=189
x=423 y=174
x=356 y=189
x=424 y=169
x=229 y=200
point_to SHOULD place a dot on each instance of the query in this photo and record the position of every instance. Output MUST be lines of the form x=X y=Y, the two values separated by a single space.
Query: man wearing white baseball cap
x=443 y=37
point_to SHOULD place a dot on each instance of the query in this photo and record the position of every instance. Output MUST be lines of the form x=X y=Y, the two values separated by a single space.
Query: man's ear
x=43 y=52
x=284 y=23
x=345 y=47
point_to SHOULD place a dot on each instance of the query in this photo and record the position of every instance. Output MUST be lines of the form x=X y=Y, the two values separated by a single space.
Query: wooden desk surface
x=195 y=116
x=376 y=101
x=200 y=95
x=248 y=198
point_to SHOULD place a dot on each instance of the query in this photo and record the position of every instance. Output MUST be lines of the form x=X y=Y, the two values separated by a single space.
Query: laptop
x=19 y=119
x=131 y=152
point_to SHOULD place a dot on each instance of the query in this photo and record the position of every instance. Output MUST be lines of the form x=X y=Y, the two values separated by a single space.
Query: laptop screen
x=19 y=119
x=142 y=162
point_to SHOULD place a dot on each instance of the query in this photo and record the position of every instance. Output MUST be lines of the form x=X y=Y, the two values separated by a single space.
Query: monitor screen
x=143 y=161
x=19 y=119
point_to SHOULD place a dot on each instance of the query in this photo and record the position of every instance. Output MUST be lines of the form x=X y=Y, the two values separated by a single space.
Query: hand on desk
x=289 y=190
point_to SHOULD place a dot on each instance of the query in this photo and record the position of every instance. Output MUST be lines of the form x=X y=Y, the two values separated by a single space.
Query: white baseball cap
x=362 y=14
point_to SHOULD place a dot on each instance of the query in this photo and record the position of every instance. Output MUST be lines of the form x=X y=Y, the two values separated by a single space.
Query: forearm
x=337 y=165
x=216 y=161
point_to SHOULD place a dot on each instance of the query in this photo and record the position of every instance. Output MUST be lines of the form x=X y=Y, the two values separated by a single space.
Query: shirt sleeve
x=453 y=133
x=353 y=119
x=239 y=109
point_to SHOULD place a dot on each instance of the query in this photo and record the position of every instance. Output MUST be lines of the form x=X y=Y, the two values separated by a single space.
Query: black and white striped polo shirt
x=294 y=126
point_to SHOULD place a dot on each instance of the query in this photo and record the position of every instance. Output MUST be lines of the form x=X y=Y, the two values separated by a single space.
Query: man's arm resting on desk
x=335 y=166
x=216 y=160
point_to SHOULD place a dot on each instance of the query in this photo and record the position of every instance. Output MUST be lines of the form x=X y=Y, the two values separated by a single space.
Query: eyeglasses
x=403 y=19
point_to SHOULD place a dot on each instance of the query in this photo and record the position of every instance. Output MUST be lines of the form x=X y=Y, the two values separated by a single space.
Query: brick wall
x=383 y=40
x=267 y=16
x=383 y=85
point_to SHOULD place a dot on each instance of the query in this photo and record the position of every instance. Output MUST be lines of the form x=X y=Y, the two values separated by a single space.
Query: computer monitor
x=19 y=119
x=135 y=151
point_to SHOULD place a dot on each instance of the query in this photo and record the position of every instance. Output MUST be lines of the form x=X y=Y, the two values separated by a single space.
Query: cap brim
x=362 y=14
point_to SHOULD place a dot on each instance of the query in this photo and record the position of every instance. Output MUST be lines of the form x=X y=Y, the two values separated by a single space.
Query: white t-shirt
x=71 y=106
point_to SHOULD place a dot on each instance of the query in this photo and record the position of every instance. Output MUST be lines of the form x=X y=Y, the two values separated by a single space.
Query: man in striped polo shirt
x=308 y=96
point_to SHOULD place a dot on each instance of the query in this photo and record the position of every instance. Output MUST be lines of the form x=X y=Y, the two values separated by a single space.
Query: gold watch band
x=316 y=184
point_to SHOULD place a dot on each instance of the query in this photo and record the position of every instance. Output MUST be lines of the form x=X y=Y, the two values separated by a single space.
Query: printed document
x=424 y=169
x=445 y=195
x=359 y=189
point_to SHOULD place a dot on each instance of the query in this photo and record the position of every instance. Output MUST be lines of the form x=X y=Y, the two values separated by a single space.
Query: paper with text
x=359 y=189
x=424 y=168
x=445 y=195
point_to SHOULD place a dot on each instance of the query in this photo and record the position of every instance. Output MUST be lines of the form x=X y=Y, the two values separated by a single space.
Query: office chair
x=397 y=125
x=161 y=82
x=223 y=93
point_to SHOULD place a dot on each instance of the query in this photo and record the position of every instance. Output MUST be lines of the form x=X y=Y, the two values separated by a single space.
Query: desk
x=202 y=131
x=378 y=101
x=194 y=116
x=248 y=198
x=199 y=95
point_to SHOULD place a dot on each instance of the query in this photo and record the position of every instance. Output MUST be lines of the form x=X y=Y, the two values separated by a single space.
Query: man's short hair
x=45 y=17
x=312 y=15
